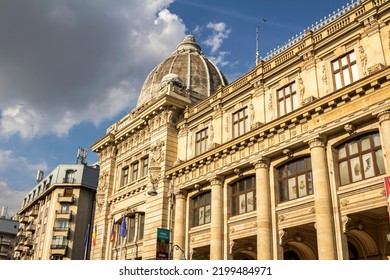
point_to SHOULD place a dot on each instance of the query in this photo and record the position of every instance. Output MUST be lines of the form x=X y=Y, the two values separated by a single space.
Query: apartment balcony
x=33 y=212
x=58 y=249
x=31 y=227
x=64 y=214
x=61 y=231
x=23 y=219
x=65 y=199
x=68 y=180
x=29 y=243
x=21 y=233
x=3 y=254
x=19 y=248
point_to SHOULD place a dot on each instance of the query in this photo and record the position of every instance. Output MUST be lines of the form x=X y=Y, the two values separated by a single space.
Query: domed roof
x=189 y=68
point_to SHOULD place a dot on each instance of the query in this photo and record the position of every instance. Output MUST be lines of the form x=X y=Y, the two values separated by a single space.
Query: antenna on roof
x=257 y=41
x=81 y=155
x=257 y=44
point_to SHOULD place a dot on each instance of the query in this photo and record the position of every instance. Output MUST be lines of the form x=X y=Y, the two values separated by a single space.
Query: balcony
x=31 y=227
x=58 y=249
x=3 y=254
x=61 y=214
x=65 y=199
x=23 y=220
x=33 y=212
x=19 y=248
x=60 y=231
x=68 y=180
x=29 y=243
x=21 y=233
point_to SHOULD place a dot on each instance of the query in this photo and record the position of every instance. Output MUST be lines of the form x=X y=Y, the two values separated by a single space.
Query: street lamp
x=183 y=255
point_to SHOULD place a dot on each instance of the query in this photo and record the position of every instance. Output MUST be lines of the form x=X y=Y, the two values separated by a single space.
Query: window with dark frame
x=125 y=176
x=145 y=166
x=134 y=168
x=360 y=158
x=344 y=70
x=243 y=196
x=201 y=141
x=240 y=122
x=136 y=226
x=288 y=100
x=202 y=209
x=295 y=179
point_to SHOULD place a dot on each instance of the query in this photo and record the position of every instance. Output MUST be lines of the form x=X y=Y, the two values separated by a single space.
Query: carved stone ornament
x=288 y=152
x=238 y=172
x=103 y=182
x=345 y=220
x=99 y=201
x=231 y=245
x=282 y=235
x=350 y=128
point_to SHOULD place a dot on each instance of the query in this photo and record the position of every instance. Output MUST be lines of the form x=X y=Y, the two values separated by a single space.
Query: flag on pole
x=123 y=230
x=86 y=238
x=387 y=191
x=112 y=236
x=94 y=234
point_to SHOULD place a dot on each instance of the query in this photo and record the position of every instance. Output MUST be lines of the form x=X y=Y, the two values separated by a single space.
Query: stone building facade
x=286 y=162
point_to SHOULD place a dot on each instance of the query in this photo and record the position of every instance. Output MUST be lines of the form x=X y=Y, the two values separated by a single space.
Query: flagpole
x=86 y=242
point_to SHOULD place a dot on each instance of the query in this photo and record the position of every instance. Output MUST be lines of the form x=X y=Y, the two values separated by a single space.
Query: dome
x=189 y=68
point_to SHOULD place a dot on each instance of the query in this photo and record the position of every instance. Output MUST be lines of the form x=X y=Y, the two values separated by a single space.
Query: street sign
x=162 y=250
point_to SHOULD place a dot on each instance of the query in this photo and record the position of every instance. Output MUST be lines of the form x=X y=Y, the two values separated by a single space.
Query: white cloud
x=218 y=35
x=10 y=162
x=10 y=199
x=67 y=62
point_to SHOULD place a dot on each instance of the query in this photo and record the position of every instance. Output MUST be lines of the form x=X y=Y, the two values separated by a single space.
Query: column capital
x=261 y=163
x=383 y=116
x=181 y=194
x=317 y=142
x=216 y=180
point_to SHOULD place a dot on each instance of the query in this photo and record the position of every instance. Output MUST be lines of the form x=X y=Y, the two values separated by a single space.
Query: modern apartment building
x=56 y=214
x=287 y=162
x=8 y=230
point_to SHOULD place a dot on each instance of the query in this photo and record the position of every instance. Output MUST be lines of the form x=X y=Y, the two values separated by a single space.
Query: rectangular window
x=125 y=176
x=134 y=169
x=201 y=141
x=145 y=166
x=141 y=217
x=344 y=70
x=240 y=122
x=131 y=229
x=287 y=99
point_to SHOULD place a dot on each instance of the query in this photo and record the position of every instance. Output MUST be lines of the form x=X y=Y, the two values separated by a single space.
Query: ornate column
x=263 y=210
x=384 y=129
x=326 y=242
x=216 y=227
x=180 y=223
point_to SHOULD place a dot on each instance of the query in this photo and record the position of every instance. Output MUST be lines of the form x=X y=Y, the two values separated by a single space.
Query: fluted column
x=384 y=129
x=263 y=211
x=180 y=224
x=322 y=199
x=216 y=227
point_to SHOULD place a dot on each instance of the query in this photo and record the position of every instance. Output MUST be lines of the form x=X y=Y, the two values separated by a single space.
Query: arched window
x=295 y=179
x=360 y=158
x=201 y=209
x=243 y=198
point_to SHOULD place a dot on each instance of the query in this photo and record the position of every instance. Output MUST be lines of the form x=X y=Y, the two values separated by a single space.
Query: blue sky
x=70 y=68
